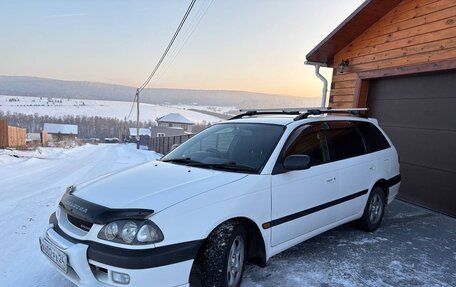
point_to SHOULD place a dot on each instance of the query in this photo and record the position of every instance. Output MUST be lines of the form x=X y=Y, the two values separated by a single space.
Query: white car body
x=190 y=202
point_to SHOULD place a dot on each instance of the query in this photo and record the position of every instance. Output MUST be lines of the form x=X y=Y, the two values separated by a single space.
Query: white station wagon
x=242 y=190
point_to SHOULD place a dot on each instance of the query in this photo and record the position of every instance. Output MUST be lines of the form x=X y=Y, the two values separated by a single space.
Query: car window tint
x=311 y=142
x=346 y=140
x=219 y=141
x=241 y=144
x=373 y=137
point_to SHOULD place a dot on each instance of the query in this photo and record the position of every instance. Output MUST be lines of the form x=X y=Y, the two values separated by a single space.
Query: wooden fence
x=11 y=136
x=163 y=145
x=44 y=138
x=3 y=133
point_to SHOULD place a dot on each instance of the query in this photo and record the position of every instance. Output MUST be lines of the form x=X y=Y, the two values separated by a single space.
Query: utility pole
x=125 y=131
x=137 y=118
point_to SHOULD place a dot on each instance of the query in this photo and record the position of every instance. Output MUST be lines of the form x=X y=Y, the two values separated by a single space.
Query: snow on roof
x=175 y=118
x=60 y=128
x=142 y=132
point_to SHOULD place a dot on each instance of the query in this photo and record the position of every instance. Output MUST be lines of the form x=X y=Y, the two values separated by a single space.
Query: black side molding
x=311 y=210
x=394 y=180
x=94 y=213
x=135 y=258
x=390 y=182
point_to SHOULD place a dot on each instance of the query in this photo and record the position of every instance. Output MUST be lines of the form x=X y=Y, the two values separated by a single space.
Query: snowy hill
x=58 y=107
x=41 y=87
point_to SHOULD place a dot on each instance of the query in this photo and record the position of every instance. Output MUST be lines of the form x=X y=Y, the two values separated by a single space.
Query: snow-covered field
x=60 y=107
x=414 y=247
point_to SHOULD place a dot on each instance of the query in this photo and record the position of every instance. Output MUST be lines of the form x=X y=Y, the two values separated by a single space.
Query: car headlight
x=134 y=232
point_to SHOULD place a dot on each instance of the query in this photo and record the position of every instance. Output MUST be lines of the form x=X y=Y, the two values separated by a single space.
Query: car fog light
x=129 y=231
x=120 y=278
x=111 y=231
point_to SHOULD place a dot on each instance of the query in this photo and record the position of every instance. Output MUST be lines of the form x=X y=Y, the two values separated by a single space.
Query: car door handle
x=372 y=167
x=331 y=179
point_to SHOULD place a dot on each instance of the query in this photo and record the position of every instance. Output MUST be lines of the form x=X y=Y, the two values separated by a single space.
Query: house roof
x=60 y=129
x=175 y=118
x=142 y=132
x=365 y=16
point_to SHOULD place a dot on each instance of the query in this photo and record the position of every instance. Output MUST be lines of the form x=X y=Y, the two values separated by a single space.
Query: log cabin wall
x=415 y=32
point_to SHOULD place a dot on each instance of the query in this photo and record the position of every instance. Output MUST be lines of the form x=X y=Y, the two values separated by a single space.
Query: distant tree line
x=88 y=127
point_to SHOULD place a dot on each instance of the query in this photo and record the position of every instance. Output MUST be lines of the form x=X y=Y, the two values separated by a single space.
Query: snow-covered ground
x=414 y=247
x=31 y=186
x=60 y=107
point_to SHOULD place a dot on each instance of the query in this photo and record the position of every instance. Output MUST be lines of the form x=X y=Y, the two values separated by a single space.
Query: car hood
x=154 y=185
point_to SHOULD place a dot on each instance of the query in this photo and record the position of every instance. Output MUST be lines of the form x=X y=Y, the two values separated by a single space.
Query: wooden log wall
x=414 y=32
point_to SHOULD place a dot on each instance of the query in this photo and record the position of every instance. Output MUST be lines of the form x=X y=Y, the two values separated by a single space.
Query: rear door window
x=346 y=140
x=373 y=137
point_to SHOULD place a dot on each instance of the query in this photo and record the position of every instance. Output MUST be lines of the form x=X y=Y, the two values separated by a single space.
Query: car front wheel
x=223 y=258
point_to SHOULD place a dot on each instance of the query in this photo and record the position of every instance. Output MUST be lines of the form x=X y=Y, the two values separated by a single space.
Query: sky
x=248 y=45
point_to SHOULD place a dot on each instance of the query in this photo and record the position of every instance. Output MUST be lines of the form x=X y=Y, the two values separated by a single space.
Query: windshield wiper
x=226 y=165
x=185 y=160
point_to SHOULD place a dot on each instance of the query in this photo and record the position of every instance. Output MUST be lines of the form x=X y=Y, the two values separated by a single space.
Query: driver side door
x=299 y=197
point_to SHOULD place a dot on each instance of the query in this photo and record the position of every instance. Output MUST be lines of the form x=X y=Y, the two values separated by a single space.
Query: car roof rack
x=301 y=113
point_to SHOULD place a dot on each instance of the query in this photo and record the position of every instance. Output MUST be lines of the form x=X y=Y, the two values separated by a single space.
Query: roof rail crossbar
x=281 y=110
x=302 y=113
x=320 y=111
x=252 y=113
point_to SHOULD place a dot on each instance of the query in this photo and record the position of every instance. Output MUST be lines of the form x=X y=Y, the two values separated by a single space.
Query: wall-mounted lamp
x=343 y=66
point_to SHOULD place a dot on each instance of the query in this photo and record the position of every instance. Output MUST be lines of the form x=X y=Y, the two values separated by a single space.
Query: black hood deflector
x=98 y=214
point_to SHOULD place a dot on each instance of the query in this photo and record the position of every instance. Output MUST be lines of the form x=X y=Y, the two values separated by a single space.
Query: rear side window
x=346 y=140
x=373 y=138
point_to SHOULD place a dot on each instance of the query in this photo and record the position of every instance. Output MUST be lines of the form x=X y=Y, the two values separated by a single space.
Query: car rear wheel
x=374 y=210
x=223 y=258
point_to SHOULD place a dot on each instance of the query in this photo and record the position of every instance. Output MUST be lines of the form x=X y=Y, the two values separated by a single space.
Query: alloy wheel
x=235 y=261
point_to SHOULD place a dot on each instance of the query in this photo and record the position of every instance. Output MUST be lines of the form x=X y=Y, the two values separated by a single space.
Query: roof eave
x=354 y=25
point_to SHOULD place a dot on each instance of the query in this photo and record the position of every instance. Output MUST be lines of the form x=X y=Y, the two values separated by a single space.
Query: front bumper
x=86 y=272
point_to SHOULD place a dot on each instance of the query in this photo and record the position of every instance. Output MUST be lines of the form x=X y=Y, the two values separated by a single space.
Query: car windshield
x=236 y=147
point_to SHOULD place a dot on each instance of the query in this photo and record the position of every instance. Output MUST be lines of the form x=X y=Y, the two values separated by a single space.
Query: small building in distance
x=175 y=120
x=156 y=131
x=37 y=139
x=142 y=132
x=167 y=131
x=61 y=132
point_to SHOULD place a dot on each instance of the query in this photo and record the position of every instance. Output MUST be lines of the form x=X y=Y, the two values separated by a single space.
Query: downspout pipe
x=323 y=79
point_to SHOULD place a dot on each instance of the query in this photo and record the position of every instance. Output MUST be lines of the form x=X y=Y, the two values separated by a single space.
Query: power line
x=192 y=27
x=189 y=9
x=131 y=109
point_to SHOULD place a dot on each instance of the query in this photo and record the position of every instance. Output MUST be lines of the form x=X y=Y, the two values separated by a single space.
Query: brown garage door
x=419 y=114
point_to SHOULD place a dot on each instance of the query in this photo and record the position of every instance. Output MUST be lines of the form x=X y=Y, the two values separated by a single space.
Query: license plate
x=58 y=257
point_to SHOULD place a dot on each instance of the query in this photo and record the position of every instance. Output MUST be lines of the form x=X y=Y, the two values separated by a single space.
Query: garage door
x=419 y=114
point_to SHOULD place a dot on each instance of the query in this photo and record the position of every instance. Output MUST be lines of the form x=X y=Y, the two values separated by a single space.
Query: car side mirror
x=296 y=162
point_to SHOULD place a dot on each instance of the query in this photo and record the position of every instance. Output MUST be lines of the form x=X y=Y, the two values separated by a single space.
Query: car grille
x=79 y=223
